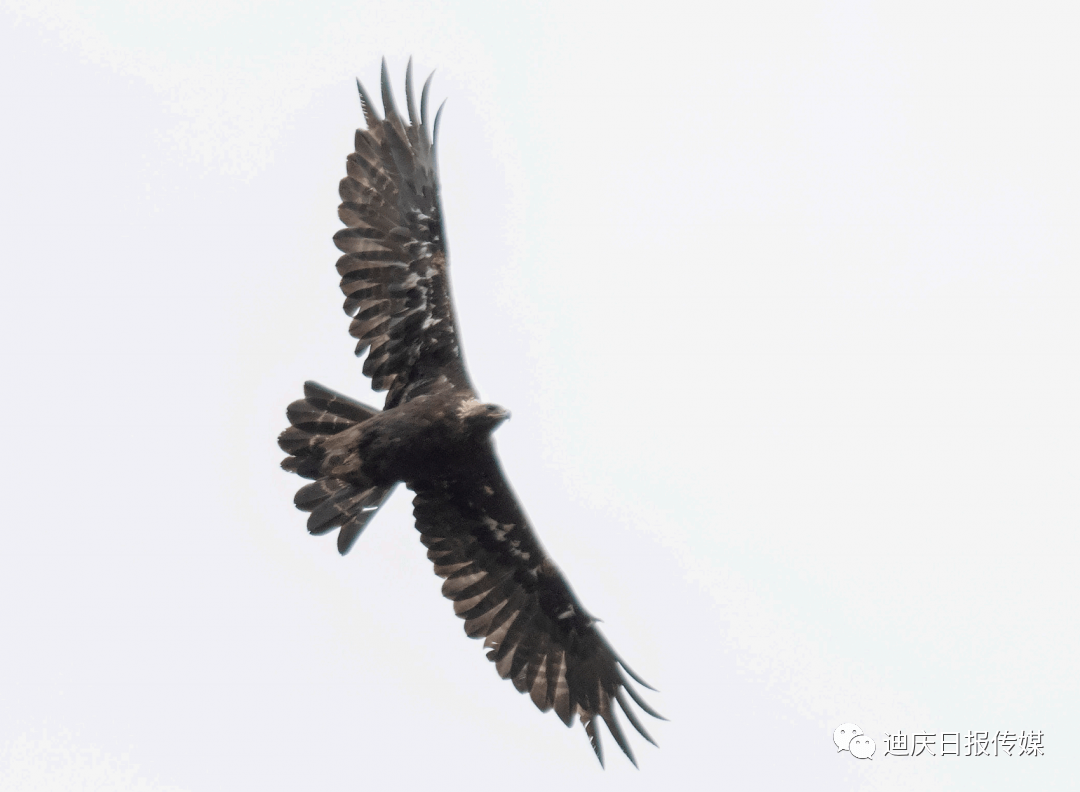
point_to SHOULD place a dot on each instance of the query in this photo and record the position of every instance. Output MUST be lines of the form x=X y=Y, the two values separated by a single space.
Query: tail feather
x=297 y=442
x=336 y=509
x=337 y=403
x=310 y=418
x=332 y=502
x=303 y=466
x=311 y=495
x=366 y=508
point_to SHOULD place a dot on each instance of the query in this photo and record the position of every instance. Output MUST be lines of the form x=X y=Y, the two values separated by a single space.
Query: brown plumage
x=434 y=435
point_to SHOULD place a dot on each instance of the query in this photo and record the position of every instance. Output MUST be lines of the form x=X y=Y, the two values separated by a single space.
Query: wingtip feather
x=630 y=671
x=371 y=117
x=410 y=97
x=424 y=100
x=617 y=732
x=641 y=702
x=630 y=716
x=594 y=739
x=387 y=95
x=435 y=125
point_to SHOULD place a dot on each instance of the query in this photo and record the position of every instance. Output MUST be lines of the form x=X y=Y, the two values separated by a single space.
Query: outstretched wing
x=394 y=271
x=510 y=593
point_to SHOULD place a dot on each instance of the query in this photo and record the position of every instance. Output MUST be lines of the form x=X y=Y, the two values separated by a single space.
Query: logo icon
x=863 y=747
x=849 y=737
x=843 y=734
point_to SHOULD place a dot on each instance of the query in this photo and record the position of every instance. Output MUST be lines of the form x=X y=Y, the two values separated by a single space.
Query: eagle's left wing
x=394 y=267
x=510 y=593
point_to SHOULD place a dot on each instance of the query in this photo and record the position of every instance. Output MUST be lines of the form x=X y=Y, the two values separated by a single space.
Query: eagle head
x=479 y=417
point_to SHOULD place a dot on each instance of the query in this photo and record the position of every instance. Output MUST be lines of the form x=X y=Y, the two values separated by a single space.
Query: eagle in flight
x=434 y=434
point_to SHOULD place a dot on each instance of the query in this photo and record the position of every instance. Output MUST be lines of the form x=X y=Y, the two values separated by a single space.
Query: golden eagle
x=434 y=435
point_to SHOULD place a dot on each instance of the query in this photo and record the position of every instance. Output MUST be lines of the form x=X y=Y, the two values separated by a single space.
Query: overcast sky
x=783 y=298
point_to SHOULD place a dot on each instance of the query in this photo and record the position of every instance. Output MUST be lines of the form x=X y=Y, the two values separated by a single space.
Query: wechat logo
x=849 y=737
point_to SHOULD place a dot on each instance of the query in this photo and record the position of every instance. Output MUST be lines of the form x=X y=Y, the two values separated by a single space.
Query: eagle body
x=435 y=435
x=432 y=437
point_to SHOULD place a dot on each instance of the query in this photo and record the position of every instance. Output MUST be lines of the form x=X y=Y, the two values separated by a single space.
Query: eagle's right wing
x=510 y=593
x=394 y=271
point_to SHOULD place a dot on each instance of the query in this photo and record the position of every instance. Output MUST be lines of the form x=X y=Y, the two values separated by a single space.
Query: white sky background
x=783 y=298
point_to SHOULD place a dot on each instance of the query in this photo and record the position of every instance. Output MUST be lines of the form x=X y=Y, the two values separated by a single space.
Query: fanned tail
x=332 y=502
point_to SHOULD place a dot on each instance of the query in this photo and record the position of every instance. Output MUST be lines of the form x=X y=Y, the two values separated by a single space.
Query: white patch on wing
x=501 y=531
x=467 y=406
x=497 y=530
